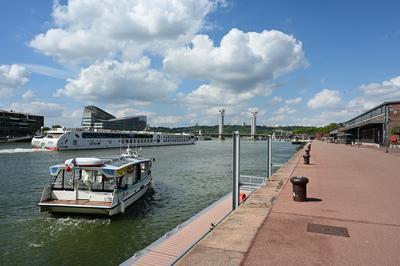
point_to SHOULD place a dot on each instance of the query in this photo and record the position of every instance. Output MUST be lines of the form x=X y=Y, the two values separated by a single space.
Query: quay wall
x=228 y=242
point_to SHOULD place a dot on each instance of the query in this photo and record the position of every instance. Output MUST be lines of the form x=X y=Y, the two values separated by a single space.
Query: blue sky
x=295 y=62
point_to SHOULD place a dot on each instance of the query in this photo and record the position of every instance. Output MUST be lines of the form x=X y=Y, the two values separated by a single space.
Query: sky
x=179 y=62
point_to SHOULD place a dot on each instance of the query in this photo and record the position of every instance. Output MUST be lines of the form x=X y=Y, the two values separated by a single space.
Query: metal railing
x=246 y=181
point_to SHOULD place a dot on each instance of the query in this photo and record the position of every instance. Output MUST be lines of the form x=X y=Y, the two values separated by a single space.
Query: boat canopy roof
x=110 y=166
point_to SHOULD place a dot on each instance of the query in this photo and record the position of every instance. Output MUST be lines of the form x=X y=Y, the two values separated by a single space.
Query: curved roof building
x=94 y=117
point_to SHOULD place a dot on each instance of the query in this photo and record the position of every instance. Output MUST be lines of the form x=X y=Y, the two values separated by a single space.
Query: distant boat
x=297 y=141
x=202 y=138
x=104 y=186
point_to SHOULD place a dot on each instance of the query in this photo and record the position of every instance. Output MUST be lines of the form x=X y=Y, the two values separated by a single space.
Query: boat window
x=100 y=182
x=109 y=183
x=64 y=180
x=123 y=182
x=138 y=172
x=131 y=175
x=53 y=135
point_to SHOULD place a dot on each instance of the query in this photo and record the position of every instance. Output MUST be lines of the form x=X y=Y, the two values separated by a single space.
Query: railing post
x=236 y=170
x=386 y=128
x=269 y=156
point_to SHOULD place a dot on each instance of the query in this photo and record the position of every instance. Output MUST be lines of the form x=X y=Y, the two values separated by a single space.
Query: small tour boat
x=97 y=185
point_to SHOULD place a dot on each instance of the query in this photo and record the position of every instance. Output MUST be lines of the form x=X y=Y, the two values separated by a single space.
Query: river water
x=186 y=178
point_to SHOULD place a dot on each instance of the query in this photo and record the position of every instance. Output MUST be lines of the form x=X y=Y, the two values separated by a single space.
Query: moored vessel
x=105 y=186
x=75 y=139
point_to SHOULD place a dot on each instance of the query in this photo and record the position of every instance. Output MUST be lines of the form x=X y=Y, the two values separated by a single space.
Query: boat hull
x=114 y=209
x=78 y=140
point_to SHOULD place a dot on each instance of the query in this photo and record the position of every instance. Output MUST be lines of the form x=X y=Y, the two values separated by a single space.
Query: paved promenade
x=350 y=187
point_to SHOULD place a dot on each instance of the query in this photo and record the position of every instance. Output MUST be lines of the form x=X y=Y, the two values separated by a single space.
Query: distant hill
x=229 y=129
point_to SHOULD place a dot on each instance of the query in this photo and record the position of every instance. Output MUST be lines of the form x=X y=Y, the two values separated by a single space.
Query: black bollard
x=299 y=188
x=306 y=157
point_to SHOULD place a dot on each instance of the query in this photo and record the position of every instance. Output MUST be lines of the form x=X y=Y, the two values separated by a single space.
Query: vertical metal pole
x=236 y=170
x=387 y=128
x=269 y=156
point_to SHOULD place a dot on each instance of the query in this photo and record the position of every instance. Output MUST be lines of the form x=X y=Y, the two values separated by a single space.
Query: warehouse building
x=375 y=126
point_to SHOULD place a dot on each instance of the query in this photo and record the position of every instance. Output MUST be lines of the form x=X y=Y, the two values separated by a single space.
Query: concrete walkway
x=350 y=187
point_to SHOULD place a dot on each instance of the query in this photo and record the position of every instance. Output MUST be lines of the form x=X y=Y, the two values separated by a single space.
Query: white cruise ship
x=74 y=139
x=101 y=130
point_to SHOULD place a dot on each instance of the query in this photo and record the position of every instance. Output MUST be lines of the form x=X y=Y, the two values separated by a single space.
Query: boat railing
x=102 y=130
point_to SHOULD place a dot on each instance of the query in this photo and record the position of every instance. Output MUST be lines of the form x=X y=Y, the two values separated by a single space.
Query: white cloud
x=125 y=109
x=48 y=71
x=90 y=29
x=373 y=94
x=285 y=110
x=387 y=90
x=39 y=108
x=325 y=99
x=11 y=78
x=282 y=113
x=53 y=113
x=209 y=95
x=276 y=99
x=167 y=120
x=29 y=94
x=111 y=81
x=294 y=101
x=241 y=62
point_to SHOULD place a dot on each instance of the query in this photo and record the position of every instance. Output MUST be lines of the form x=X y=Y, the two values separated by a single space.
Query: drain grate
x=328 y=230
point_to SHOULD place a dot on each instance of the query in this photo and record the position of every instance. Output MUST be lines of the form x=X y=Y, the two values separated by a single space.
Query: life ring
x=242 y=196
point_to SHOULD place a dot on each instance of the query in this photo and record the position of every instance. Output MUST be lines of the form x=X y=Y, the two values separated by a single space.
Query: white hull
x=118 y=206
x=76 y=140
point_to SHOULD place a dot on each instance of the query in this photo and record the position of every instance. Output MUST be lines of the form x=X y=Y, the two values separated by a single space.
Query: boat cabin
x=96 y=185
x=96 y=175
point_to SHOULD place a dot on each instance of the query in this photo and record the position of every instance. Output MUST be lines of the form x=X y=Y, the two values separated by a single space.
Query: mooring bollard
x=306 y=157
x=299 y=188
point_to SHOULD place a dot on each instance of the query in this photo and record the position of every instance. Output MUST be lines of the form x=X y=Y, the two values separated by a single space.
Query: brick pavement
x=350 y=187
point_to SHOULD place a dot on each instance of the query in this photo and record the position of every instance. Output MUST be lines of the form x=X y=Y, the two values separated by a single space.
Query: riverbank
x=349 y=187
x=230 y=240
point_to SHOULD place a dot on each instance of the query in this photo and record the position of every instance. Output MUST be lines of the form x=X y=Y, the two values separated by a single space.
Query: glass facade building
x=17 y=125
x=96 y=118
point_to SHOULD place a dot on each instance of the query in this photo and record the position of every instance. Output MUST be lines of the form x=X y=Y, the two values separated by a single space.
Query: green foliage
x=314 y=130
x=245 y=130
x=395 y=130
x=56 y=126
